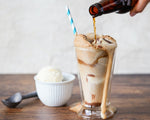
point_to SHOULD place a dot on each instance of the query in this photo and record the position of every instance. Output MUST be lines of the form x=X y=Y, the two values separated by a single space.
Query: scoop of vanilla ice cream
x=50 y=74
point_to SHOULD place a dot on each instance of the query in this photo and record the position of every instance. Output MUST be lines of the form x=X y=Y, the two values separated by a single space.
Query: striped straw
x=71 y=21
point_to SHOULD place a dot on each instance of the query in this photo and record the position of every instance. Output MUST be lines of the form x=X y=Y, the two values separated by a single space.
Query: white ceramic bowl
x=55 y=94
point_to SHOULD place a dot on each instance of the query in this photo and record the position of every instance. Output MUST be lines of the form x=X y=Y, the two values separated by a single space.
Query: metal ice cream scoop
x=15 y=99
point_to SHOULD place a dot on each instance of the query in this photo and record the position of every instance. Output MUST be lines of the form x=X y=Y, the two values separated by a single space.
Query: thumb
x=139 y=7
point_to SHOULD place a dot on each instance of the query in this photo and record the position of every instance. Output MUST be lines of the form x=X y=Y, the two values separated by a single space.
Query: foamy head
x=103 y=42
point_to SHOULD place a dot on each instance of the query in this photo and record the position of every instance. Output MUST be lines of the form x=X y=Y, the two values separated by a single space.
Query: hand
x=139 y=7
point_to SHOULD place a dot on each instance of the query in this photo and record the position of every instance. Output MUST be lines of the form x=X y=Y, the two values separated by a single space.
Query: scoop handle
x=30 y=95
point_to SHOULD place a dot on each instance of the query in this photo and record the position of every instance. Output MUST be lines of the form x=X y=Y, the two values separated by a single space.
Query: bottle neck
x=104 y=7
x=110 y=5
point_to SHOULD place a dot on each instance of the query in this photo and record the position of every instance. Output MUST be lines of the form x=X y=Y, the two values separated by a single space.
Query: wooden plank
x=130 y=94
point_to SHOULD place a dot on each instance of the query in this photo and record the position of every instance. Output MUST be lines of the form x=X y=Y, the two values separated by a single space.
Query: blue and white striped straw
x=71 y=21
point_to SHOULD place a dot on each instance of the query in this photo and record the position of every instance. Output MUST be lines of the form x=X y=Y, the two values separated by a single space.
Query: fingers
x=139 y=7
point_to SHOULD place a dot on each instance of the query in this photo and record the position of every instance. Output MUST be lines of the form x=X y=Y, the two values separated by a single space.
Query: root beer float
x=95 y=58
x=95 y=54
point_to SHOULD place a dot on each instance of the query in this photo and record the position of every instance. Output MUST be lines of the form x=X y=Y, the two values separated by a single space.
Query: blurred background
x=37 y=33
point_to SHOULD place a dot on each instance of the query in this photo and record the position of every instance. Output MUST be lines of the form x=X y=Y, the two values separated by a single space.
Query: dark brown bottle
x=108 y=6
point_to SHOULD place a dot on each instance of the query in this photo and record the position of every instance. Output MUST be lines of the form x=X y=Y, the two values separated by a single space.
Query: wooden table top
x=130 y=94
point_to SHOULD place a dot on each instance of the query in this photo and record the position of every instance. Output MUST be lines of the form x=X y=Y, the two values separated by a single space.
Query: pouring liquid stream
x=94 y=26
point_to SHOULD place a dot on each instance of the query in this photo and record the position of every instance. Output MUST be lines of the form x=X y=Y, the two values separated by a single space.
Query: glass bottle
x=108 y=6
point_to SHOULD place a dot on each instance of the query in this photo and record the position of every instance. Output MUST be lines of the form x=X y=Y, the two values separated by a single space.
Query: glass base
x=91 y=113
